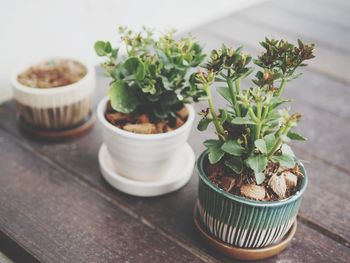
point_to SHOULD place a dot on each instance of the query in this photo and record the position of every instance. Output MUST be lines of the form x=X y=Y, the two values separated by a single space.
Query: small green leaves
x=254 y=129
x=269 y=141
x=225 y=93
x=259 y=178
x=134 y=66
x=203 y=124
x=241 y=121
x=257 y=163
x=215 y=151
x=287 y=158
x=295 y=136
x=284 y=160
x=154 y=69
x=261 y=145
x=103 y=48
x=211 y=142
x=235 y=164
x=232 y=147
x=122 y=97
x=286 y=150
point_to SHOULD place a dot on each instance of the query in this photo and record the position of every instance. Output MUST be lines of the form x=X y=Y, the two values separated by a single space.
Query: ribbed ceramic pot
x=55 y=108
x=242 y=222
x=143 y=157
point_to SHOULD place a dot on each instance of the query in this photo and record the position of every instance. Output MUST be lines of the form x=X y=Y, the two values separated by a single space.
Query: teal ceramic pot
x=242 y=222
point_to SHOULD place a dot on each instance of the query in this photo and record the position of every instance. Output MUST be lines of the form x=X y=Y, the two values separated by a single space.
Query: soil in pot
x=144 y=124
x=52 y=73
x=279 y=184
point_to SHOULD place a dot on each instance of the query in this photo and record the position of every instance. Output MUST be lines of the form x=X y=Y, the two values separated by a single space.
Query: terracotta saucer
x=243 y=253
x=57 y=135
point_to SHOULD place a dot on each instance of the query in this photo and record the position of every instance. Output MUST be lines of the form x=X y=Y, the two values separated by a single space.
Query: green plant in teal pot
x=250 y=181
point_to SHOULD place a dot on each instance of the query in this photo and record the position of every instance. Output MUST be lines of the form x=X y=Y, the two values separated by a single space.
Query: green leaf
x=223 y=116
x=103 y=48
x=225 y=93
x=269 y=141
x=286 y=150
x=284 y=160
x=232 y=147
x=123 y=98
x=115 y=53
x=285 y=138
x=235 y=164
x=134 y=66
x=241 y=121
x=257 y=163
x=261 y=145
x=296 y=136
x=203 y=124
x=274 y=115
x=259 y=178
x=211 y=142
x=215 y=153
x=277 y=101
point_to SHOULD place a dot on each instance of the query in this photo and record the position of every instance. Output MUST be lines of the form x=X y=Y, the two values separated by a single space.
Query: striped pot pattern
x=55 y=108
x=242 y=222
x=56 y=118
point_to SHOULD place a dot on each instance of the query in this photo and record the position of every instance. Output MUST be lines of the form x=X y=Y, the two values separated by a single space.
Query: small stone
x=116 y=117
x=145 y=128
x=278 y=185
x=143 y=119
x=183 y=113
x=291 y=179
x=252 y=191
x=161 y=127
x=168 y=128
x=227 y=183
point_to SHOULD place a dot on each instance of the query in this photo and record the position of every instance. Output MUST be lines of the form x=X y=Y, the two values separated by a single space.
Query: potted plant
x=54 y=96
x=146 y=117
x=250 y=182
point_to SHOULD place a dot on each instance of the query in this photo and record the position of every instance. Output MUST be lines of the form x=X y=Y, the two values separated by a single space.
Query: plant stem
x=281 y=88
x=258 y=122
x=233 y=97
x=238 y=85
x=219 y=128
x=265 y=112
x=281 y=131
x=252 y=114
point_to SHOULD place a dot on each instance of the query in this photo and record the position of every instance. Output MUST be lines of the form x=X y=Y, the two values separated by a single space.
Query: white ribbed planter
x=142 y=157
x=55 y=108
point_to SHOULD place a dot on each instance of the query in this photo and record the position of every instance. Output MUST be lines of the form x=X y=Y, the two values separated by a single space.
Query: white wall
x=31 y=29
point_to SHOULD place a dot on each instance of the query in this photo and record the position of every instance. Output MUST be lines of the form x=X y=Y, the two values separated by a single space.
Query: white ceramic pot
x=143 y=157
x=55 y=108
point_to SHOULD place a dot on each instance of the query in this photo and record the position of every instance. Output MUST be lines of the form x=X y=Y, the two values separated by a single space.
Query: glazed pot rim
x=297 y=195
x=159 y=136
x=53 y=90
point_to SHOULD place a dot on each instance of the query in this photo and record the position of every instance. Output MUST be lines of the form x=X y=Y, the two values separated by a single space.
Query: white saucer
x=172 y=181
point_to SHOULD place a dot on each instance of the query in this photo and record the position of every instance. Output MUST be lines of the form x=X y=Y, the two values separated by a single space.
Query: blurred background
x=37 y=29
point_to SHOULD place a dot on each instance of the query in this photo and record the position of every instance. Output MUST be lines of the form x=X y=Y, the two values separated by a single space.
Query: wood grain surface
x=56 y=207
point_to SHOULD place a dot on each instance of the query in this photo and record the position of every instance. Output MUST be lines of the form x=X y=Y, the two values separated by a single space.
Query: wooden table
x=55 y=206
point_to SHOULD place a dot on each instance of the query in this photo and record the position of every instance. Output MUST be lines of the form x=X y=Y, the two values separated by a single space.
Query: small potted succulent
x=54 y=95
x=146 y=117
x=250 y=182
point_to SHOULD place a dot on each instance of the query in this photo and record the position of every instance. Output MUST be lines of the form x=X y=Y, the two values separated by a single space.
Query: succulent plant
x=253 y=130
x=154 y=77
